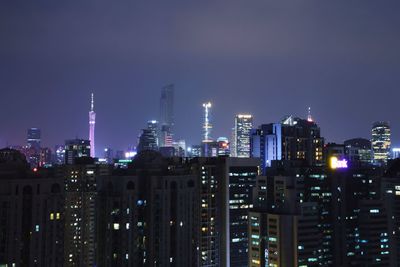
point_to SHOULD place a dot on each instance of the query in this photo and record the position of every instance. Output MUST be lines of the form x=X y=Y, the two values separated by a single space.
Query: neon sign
x=338 y=164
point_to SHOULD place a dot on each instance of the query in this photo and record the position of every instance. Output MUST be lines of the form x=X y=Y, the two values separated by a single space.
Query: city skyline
x=272 y=60
x=200 y=133
x=134 y=141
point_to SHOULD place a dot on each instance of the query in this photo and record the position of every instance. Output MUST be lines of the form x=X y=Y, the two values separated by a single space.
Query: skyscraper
x=32 y=152
x=148 y=140
x=33 y=138
x=292 y=139
x=166 y=112
x=243 y=126
x=80 y=211
x=92 y=122
x=381 y=142
x=226 y=195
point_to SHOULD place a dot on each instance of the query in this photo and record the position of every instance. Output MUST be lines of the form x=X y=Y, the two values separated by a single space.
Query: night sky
x=267 y=58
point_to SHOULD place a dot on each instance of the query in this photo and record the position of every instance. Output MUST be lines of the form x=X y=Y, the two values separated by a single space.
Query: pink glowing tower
x=92 y=122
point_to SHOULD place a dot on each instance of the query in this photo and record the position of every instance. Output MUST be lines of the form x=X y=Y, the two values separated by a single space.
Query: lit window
x=116 y=226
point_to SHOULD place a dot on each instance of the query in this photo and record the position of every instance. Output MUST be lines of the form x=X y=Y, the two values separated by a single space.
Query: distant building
x=210 y=149
x=32 y=151
x=154 y=126
x=167 y=151
x=109 y=155
x=381 y=142
x=76 y=148
x=166 y=113
x=45 y=157
x=180 y=148
x=34 y=138
x=207 y=128
x=359 y=150
x=334 y=150
x=243 y=126
x=223 y=146
x=148 y=140
x=59 y=154
x=194 y=151
x=92 y=123
x=292 y=139
x=395 y=152
x=232 y=144
x=119 y=154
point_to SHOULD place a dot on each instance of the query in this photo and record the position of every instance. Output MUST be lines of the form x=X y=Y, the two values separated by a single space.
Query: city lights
x=335 y=163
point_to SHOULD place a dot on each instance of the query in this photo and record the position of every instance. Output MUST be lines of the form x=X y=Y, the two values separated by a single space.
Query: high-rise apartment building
x=284 y=226
x=31 y=214
x=243 y=126
x=148 y=216
x=225 y=195
x=285 y=238
x=381 y=142
x=80 y=211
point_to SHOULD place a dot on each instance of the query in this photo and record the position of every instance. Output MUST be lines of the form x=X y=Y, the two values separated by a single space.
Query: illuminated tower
x=381 y=142
x=243 y=126
x=92 y=122
x=207 y=127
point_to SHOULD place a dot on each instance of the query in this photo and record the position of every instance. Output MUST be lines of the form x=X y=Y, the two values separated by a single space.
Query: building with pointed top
x=207 y=127
x=92 y=122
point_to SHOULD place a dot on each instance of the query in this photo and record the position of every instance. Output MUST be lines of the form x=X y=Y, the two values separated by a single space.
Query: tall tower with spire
x=207 y=127
x=92 y=122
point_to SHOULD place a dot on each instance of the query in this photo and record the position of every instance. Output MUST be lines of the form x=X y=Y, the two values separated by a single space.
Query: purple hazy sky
x=267 y=58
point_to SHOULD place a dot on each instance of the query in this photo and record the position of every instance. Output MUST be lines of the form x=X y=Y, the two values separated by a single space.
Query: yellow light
x=51 y=216
x=333 y=162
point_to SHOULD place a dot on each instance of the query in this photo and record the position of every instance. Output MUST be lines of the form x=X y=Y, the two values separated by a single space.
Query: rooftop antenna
x=92 y=103
x=309 y=117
